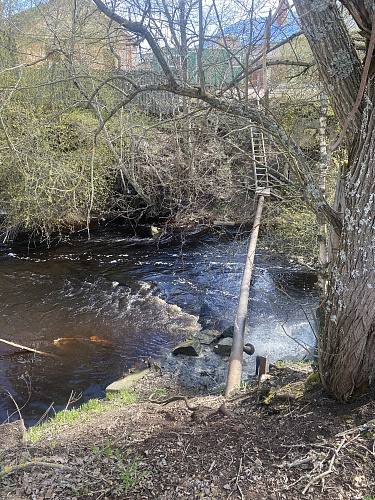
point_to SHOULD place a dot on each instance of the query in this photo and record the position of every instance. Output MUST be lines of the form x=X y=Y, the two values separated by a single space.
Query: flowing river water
x=99 y=306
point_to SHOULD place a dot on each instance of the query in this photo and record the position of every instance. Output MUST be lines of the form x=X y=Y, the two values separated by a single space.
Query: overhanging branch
x=135 y=27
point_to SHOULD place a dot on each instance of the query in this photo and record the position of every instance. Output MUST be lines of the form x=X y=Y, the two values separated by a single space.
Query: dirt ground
x=286 y=440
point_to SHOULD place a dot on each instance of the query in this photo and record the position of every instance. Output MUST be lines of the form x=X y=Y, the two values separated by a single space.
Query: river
x=100 y=305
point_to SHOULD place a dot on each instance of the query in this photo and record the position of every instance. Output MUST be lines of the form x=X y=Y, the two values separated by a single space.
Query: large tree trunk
x=347 y=342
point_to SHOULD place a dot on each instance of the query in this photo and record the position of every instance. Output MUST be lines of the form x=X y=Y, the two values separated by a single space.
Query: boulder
x=191 y=347
x=127 y=382
x=205 y=337
x=223 y=347
x=228 y=332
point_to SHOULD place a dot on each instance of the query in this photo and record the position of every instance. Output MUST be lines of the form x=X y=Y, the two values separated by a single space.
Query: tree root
x=195 y=409
x=174 y=398
x=34 y=463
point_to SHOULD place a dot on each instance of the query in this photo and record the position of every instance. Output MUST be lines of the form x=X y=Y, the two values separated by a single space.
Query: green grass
x=160 y=392
x=127 y=473
x=82 y=413
x=302 y=362
x=220 y=389
x=124 y=396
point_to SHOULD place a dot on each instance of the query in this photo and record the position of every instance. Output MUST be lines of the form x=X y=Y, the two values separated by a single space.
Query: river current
x=99 y=306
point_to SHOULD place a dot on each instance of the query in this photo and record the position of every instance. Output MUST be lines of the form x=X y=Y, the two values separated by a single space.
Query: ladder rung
x=259 y=160
x=263 y=191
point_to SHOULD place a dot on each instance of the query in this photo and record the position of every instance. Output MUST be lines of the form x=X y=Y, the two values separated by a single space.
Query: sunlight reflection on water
x=140 y=299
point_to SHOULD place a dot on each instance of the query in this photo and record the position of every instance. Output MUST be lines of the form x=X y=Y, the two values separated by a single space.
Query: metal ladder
x=259 y=160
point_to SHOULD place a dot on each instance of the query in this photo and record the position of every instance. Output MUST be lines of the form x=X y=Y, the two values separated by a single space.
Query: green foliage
x=127 y=471
x=104 y=450
x=81 y=414
x=126 y=468
x=298 y=119
x=51 y=176
x=66 y=417
x=313 y=381
x=220 y=389
x=160 y=392
x=292 y=229
x=302 y=362
x=124 y=396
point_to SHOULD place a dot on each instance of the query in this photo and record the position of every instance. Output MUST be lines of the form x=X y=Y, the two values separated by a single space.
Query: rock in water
x=205 y=337
x=223 y=347
x=228 y=332
x=191 y=347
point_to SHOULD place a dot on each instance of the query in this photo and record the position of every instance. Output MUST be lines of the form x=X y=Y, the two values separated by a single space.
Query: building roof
x=280 y=29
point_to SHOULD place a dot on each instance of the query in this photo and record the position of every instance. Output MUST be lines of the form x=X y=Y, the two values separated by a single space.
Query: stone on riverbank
x=127 y=382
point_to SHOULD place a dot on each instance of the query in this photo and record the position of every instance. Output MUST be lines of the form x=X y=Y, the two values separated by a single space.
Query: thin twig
x=21 y=421
x=328 y=471
x=365 y=448
x=237 y=478
x=361 y=428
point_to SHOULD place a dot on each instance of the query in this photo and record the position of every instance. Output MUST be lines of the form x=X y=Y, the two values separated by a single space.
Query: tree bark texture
x=339 y=67
x=347 y=343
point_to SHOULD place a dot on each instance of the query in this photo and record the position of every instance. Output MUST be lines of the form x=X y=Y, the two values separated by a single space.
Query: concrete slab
x=127 y=382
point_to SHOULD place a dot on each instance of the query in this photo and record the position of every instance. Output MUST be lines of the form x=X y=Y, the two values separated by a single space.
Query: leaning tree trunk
x=347 y=342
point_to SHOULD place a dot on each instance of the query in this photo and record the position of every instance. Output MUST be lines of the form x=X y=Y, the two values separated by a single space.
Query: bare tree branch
x=135 y=27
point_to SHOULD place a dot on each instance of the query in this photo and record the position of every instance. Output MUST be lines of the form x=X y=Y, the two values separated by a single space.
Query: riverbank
x=289 y=440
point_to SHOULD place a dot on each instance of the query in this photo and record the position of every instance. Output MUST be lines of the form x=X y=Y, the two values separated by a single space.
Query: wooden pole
x=235 y=361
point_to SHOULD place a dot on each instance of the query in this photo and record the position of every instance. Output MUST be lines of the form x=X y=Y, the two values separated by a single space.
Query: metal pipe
x=235 y=360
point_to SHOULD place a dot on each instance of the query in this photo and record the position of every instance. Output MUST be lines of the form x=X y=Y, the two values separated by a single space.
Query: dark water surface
x=137 y=299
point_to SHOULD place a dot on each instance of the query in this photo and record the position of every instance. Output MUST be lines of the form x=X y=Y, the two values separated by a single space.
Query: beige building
x=56 y=31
